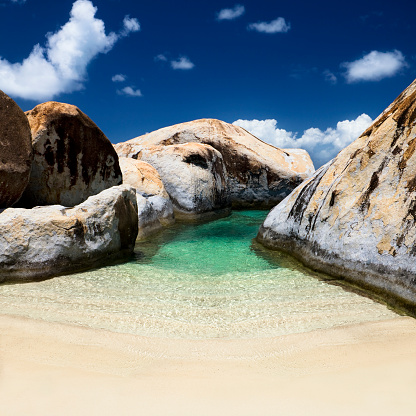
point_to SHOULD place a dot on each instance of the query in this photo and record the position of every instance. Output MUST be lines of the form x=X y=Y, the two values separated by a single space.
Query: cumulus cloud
x=118 y=78
x=322 y=145
x=130 y=92
x=182 y=63
x=160 y=58
x=278 y=25
x=374 y=66
x=130 y=24
x=231 y=14
x=330 y=77
x=61 y=66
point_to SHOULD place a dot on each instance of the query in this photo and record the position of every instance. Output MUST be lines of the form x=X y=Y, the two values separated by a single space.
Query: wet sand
x=56 y=369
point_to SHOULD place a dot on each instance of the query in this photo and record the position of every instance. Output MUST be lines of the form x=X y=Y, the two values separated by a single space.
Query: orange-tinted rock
x=73 y=159
x=15 y=151
x=259 y=174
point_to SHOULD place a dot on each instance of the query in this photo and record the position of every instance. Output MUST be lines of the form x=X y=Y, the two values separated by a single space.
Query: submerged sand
x=57 y=369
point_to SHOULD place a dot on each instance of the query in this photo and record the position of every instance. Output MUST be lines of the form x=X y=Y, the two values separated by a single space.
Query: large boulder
x=155 y=208
x=260 y=175
x=73 y=159
x=193 y=174
x=42 y=242
x=356 y=217
x=15 y=150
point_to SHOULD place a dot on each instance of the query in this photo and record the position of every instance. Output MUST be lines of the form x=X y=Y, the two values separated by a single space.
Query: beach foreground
x=55 y=369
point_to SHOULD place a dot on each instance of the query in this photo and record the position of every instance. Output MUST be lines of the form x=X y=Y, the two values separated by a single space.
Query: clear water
x=196 y=281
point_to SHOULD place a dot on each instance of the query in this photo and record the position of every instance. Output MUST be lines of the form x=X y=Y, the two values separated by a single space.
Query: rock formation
x=15 y=150
x=356 y=217
x=259 y=175
x=73 y=159
x=155 y=208
x=193 y=174
x=46 y=241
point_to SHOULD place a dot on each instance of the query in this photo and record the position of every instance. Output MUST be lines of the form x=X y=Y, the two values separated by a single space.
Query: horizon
x=304 y=75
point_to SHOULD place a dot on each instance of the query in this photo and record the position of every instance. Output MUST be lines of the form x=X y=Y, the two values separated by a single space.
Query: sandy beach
x=55 y=369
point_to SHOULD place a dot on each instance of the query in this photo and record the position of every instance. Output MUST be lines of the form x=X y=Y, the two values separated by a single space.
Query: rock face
x=15 y=150
x=356 y=217
x=155 y=208
x=73 y=159
x=259 y=174
x=46 y=241
x=194 y=176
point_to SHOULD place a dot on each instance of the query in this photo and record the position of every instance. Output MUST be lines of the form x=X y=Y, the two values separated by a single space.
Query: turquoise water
x=196 y=281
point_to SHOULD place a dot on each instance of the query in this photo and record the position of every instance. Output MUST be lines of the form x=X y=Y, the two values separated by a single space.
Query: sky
x=296 y=74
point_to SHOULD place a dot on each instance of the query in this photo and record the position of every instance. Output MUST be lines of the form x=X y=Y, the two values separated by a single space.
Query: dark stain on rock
x=128 y=222
x=408 y=153
x=372 y=186
x=49 y=153
x=332 y=200
x=305 y=195
x=396 y=150
x=411 y=184
x=196 y=160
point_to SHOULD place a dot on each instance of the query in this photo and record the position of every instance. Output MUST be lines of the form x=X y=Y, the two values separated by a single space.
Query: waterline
x=196 y=281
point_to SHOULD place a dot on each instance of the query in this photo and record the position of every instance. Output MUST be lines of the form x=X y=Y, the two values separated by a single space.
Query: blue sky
x=297 y=74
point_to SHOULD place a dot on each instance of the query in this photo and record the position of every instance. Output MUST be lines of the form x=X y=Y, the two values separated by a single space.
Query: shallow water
x=196 y=281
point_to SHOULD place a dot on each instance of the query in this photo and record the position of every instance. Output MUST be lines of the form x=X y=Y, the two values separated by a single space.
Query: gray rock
x=15 y=150
x=73 y=159
x=46 y=241
x=155 y=208
x=259 y=174
x=356 y=217
x=194 y=176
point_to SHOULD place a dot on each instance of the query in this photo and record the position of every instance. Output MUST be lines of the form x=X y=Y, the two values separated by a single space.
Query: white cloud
x=374 y=66
x=160 y=58
x=118 y=78
x=130 y=24
x=321 y=145
x=182 y=63
x=278 y=25
x=130 y=92
x=61 y=66
x=330 y=77
x=231 y=14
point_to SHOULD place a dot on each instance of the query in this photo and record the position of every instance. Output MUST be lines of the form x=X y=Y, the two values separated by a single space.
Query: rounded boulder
x=15 y=150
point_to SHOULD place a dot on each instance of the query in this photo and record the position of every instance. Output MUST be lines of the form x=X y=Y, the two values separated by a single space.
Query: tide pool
x=208 y=280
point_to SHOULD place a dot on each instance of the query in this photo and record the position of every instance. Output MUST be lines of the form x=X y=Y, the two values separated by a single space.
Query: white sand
x=54 y=369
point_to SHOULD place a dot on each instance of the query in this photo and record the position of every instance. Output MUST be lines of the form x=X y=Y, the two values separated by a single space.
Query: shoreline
x=51 y=368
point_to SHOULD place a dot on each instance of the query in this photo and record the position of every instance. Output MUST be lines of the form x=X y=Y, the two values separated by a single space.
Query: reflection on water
x=196 y=281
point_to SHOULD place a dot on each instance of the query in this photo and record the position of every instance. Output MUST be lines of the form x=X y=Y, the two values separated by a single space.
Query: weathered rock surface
x=155 y=208
x=356 y=217
x=46 y=241
x=15 y=150
x=73 y=159
x=194 y=176
x=259 y=174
